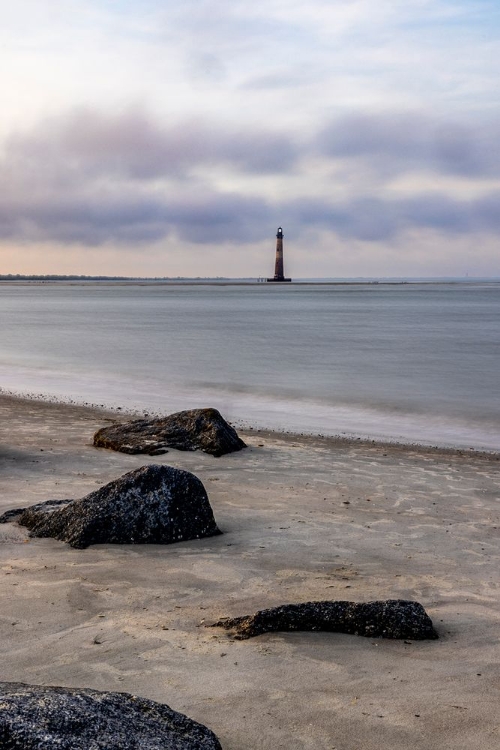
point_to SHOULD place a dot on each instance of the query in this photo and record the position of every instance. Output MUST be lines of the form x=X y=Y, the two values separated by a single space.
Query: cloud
x=399 y=142
x=376 y=219
x=132 y=145
x=101 y=218
x=90 y=178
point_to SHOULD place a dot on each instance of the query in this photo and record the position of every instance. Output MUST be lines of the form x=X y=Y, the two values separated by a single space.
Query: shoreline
x=123 y=413
x=303 y=519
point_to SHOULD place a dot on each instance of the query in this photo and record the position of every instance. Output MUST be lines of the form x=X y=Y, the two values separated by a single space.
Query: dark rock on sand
x=394 y=618
x=195 y=429
x=33 y=717
x=151 y=505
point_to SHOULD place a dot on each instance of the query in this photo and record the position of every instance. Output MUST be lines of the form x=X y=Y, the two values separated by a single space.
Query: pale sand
x=421 y=524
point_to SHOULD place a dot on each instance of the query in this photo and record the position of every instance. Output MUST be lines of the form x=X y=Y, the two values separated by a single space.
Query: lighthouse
x=279 y=273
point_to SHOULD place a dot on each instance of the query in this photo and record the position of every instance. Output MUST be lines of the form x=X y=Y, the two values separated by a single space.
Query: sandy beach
x=302 y=519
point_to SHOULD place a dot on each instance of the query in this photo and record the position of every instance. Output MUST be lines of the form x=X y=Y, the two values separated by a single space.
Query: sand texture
x=303 y=520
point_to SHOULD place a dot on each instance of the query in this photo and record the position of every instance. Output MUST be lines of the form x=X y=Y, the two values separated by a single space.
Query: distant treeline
x=62 y=277
x=58 y=277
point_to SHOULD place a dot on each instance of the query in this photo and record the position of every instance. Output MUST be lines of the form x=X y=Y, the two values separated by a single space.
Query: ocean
x=414 y=363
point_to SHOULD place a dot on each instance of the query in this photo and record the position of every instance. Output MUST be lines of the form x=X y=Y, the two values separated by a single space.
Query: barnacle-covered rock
x=33 y=717
x=194 y=429
x=393 y=618
x=151 y=505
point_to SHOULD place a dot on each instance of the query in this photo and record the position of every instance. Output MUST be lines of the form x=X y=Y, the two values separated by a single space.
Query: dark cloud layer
x=95 y=220
x=378 y=219
x=396 y=143
x=132 y=145
x=92 y=179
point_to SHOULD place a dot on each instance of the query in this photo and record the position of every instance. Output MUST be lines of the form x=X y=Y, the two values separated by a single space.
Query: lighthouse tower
x=279 y=273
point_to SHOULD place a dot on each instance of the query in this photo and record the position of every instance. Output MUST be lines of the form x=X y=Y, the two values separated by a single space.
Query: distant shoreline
x=19 y=280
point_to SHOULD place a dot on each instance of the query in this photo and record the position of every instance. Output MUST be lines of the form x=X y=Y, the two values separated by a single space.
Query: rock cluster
x=195 y=429
x=151 y=505
x=33 y=717
x=393 y=618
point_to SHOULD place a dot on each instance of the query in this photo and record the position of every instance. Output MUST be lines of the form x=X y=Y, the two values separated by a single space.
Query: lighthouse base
x=278 y=279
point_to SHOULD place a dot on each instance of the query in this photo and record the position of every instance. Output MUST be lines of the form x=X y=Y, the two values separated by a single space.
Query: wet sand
x=303 y=519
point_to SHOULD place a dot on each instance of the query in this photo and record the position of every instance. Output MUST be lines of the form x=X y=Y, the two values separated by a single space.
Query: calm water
x=408 y=362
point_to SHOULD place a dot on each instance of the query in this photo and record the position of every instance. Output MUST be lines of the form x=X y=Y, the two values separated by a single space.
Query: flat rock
x=195 y=429
x=33 y=717
x=393 y=618
x=151 y=505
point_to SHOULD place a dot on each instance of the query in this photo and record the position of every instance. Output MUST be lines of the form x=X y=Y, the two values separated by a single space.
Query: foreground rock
x=151 y=505
x=196 y=429
x=53 y=718
x=394 y=618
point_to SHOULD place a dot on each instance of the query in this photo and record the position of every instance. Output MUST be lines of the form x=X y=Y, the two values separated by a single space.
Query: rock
x=195 y=429
x=13 y=515
x=151 y=505
x=33 y=717
x=393 y=618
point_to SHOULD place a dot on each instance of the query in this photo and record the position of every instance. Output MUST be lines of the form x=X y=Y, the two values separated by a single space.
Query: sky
x=159 y=138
